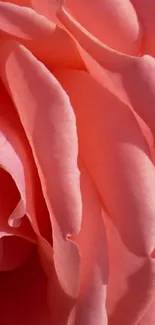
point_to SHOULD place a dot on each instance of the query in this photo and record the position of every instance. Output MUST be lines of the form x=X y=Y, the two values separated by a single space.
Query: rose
x=77 y=162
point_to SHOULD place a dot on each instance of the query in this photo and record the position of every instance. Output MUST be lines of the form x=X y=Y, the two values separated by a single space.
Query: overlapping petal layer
x=77 y=81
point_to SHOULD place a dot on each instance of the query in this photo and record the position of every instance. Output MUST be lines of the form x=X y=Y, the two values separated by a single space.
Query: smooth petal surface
x=131 y=282
x=145 y=10
x=149 y=316
x=115 y=23
x=15 y=169
x=78 y=86
x=37 y=217
x=46 y=8
x=117 y=156
x=49 y=122
x=23 y=171
x=90 y=306
x=48 y=42
x=117 y=72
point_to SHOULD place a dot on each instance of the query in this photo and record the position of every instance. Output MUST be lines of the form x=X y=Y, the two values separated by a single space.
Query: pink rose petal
x=117 y=156
x=115 y=23
x=131 y=283
x=145 y=10
x=90 y=306
x=118 y=72
x=48 y=42
x=49 y=123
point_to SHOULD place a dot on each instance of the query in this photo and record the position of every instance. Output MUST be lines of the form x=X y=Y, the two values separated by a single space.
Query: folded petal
x=49 y=122
x=90 y=307
x=48 y=42
x=115 y=23
x=131 y=282
x=117 y=72
x=16 y=158
x=145 y=10
x=13 y=250
x=10 y=161
x=9 y=199
x=47 y=8
x=115 y=152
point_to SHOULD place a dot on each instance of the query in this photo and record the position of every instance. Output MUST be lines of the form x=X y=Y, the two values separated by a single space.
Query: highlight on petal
x=15 y=138
x=16 y=215
x=46 y=8
x=102 y=62
x=117 y=156
x=49 y=123
x=10 y=161
x=117 y=72
x=48 y=42
x=9 y=199
x=14 y=250
x=35 y=226
x=115 y=23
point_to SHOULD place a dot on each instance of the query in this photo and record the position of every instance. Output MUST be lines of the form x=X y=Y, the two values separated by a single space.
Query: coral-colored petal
x=10 y=162
x=23 y=171
x=36 y=209
x=20 y=2
x=115 y=23
x=145 y=10
x=35 y=206
x=47 y=8
x=49 y=122
x=48 y=42
x=131 y=282
x=117 y=156
x=91 y=304
x=149 y=315
x=13 y=250
x=9 y=198
x=118 y=72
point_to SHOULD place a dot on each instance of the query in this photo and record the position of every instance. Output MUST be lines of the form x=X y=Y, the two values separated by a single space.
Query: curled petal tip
x=14 y=223
x=15 y=219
